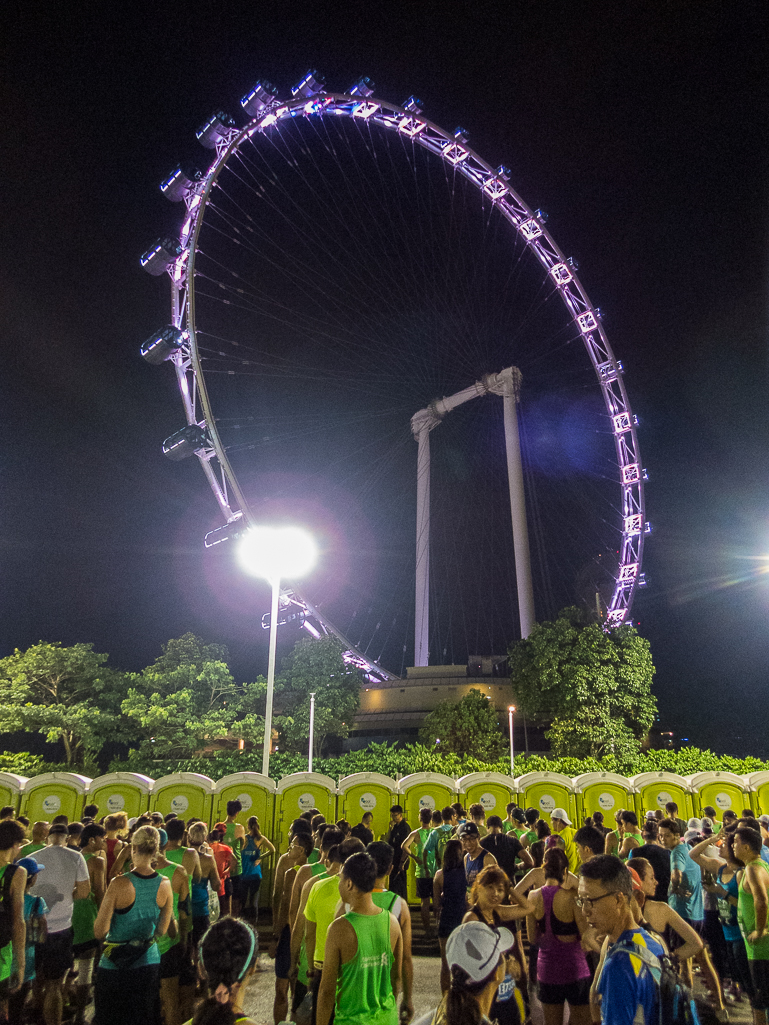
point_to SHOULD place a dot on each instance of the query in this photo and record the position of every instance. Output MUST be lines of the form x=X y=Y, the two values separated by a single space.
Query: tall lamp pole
x=275 y=553
x=312 y=729
x=510 y=710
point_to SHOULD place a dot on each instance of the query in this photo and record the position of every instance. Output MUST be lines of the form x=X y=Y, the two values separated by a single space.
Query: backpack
x=6 y=906
x=675 y=1000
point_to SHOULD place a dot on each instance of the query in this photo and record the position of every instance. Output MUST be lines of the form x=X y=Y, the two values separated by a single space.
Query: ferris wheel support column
x=507 y=383
x=421 y=425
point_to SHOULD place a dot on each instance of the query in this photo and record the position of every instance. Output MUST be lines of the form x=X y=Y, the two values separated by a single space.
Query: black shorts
x=237 y=887
x=54 y=958
x=759 y=973
x=172 y=962
x=227 y=889
x=85 y=948
x=424 y=888
x=124 y=997
x=575 y=993
x=200 y=924
x=283 y=955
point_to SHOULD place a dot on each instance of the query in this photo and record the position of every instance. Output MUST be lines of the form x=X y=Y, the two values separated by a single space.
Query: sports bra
x=557 y=927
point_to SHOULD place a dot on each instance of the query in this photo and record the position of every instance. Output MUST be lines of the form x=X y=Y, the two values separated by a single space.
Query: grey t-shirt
x=56 y=882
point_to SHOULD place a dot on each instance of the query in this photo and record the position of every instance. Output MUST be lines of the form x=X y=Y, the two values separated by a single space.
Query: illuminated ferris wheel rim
x=266 y=111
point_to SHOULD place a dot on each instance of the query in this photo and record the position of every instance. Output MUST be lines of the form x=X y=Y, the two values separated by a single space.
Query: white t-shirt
x=56 y=882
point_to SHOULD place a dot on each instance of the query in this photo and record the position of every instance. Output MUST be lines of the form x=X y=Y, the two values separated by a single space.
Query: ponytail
x=227 y=951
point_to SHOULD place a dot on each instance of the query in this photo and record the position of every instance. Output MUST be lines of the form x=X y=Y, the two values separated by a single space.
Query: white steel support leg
x=518 y=502
x=422 y=606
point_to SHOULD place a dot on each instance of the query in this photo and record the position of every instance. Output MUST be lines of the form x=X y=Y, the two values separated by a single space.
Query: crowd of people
x=153 y=920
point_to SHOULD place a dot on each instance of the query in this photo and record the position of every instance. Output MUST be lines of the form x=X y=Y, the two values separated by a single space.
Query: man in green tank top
x=235 y=837
x=362 y=962
x=415 y=845
x=172 y=947
x=752 y=908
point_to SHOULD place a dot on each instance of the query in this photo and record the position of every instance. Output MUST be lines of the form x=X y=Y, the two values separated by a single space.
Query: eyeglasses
x=588 y=903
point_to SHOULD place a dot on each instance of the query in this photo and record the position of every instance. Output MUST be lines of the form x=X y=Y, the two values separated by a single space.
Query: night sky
x=641 y=129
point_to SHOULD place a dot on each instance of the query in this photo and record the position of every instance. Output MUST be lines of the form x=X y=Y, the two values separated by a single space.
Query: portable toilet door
x=724 y=791
x=492 y=790
x=367 y=791
x=606 y=792
x=759 y=791
x=256 y=794
x=54 y=793
x=423 y=790
x=298 y=793
x=187 y=794
x=656 y=789
x=546 y=791
x=121 y=791
x=11 y=787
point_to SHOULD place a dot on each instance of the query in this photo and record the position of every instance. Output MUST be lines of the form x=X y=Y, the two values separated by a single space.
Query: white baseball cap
x=477 y=948
x=560 y=813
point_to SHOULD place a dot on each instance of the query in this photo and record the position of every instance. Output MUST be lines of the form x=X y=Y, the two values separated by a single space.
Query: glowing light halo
x=277 y=553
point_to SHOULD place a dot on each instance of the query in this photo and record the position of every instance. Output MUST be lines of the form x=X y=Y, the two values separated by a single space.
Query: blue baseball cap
x=31 y=866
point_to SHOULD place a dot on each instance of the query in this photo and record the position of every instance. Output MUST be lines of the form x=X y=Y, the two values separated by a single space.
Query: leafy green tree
x=469 y=728
x=187 y=699
x=592 y=687
x=67 y=694
x=315 y=665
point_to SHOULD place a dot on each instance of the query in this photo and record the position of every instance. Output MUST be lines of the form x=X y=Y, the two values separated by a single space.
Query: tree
x=591 y=686
x=469 y=727
x=67 y=694
x=315 y=665
x=187 y=699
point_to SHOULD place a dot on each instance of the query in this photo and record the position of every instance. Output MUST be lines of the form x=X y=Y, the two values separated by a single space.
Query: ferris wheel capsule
x=162 y=345
x=180 y=182
x=159 y=257
x=254 y=102
x=215 y=130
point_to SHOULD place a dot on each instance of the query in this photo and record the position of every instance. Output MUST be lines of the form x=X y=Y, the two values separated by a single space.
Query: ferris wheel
x=342 y=263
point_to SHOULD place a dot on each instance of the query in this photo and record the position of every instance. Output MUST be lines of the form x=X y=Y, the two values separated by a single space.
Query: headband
x=246 y=963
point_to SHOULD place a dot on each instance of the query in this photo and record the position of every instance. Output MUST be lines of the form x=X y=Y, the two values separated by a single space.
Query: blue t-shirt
x=628 y=991
x=688 y=903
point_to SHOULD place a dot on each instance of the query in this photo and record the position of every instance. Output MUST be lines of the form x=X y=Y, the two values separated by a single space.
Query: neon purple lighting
x=621 y=423
x=410 y=126
x=311 y=630
x=629 y=571
x=531 y=229
x=561 y=274
x=631 y=473
x=587 y=322
x=634 y=524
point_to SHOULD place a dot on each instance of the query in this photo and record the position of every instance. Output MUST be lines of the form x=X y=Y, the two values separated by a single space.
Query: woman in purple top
x=556 y=925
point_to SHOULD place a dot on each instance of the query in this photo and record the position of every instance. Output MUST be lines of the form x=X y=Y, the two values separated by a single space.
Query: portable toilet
x=298 y=793
x=423 y=790
x=493 y=790
x=256 y=794
x=725 y=791
x=656 y=789
x=367 y=791
x=121 y=791
x=546 y=791
x=187 y=794
x=758 y=782
x=54 y=793
x=11 y=787
x=605 y=792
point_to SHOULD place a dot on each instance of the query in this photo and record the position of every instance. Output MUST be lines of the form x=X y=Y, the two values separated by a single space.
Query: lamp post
x=510 y=710
x=312 y=729
x=275 y=553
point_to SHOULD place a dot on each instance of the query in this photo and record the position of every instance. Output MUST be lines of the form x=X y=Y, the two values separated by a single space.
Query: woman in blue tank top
x=136 y=909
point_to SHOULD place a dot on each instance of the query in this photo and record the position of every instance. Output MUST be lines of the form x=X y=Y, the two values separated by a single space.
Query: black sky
x=640 y=128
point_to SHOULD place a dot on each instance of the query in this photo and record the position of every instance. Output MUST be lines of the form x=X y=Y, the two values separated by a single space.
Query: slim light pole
x=510 y=710
x=312 y=729
x=275 y=553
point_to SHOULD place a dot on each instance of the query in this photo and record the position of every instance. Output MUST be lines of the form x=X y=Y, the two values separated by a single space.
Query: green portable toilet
x=546 y=791
x=656 y=789
x=187 y=794
x=121 y=791
x=725 y=791
x=605 y=792
x=758 y=782
x=257 y=795
x=54 y=793
x=423 y=790
x=11 y=787
x=367 y=791
x=493 y=790
x=298 y=793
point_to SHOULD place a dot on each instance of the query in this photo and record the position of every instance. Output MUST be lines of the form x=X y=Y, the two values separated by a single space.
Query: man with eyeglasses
x=625 y=988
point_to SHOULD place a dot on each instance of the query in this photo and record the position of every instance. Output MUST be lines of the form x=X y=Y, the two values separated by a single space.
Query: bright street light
x=275 y=553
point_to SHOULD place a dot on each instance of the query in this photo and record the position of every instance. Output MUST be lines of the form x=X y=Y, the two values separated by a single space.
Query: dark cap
x=468 y=829
x=58 y=827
